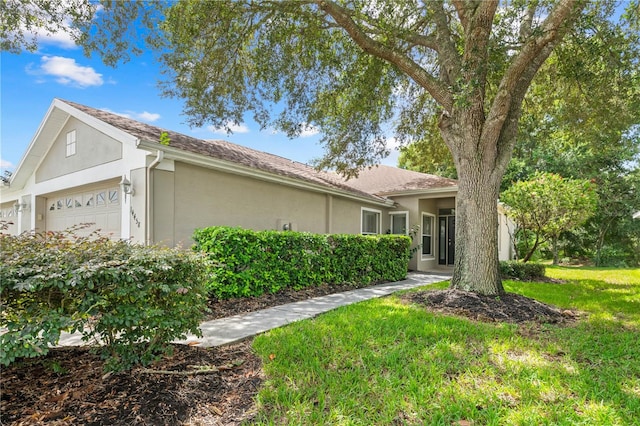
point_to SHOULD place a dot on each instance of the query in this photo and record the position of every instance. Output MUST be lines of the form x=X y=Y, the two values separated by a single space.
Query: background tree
x=547 y=206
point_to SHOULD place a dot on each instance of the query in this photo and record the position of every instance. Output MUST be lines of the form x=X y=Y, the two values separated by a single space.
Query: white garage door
x=9 y=217
x=98 y=205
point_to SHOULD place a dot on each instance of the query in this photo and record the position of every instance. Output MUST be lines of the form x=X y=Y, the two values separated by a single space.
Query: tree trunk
x=532 y=250
x=476 y=258
x=554 y=248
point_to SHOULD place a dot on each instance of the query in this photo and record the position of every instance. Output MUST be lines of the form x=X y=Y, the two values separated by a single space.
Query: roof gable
x=385 y=180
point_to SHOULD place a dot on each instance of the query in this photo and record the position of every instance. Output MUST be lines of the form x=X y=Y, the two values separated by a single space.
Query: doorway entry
x=447 y=236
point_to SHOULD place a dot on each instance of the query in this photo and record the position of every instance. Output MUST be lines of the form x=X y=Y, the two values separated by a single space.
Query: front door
x=447 y=235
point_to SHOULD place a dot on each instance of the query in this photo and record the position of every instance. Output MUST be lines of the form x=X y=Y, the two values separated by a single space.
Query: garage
x=9 y=218
x=98 y=205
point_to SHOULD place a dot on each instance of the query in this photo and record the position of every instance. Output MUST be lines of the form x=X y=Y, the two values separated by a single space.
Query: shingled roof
x=223 y=150
x=385 y=180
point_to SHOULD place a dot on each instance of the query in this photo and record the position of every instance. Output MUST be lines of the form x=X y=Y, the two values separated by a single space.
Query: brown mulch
x=509 y=307
x=69 y=386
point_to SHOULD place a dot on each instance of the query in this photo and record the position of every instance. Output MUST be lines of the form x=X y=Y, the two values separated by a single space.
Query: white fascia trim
x=238 y=169
x=435 y=191
x=107 y=129
x=100 y=173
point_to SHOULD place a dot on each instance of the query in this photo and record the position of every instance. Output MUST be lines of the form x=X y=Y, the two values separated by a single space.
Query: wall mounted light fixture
x=126 y=186
x=20 y=207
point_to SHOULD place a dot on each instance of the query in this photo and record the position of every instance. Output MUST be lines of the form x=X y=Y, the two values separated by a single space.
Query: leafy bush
x=251 y=263
x=611 y=256
x=512 y=269
x=131 y=298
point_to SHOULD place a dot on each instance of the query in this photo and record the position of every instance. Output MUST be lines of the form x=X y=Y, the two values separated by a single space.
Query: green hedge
x=513 y=269
x=251 y=263
x=133 y=299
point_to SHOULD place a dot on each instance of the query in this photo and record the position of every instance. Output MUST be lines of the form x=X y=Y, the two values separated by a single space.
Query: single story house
x=150 y=185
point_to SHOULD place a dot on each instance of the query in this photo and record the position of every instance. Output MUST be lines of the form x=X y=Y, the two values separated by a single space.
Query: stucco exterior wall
x=135 y=206
x=163 y=211
x=92 y=148
x=204 y=197
x=346 y=216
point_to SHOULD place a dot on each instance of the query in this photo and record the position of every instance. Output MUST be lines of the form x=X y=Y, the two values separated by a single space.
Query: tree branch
x=343 y=18
x=518 y=76
x=448 y=53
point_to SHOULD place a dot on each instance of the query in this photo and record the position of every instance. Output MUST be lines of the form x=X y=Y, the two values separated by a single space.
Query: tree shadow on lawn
x=596 y=361
x=363 y=361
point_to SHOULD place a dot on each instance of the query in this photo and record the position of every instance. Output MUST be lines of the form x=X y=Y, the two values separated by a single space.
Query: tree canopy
x=362 y=71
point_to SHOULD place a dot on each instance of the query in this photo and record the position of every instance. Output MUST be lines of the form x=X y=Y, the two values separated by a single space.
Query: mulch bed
x=509 y=307
x=69 y=386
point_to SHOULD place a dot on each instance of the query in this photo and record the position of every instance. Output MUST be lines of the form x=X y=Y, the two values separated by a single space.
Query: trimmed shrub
x=250 y=263
x=513 y=269
x=133 y=299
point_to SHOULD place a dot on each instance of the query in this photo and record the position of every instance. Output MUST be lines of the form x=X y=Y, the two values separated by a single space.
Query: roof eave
x=440 y=190
x=239 y=169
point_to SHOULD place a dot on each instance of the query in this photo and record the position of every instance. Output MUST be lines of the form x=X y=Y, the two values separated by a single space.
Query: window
x=101 y=198
x=113 y=196
x=370 y=221
x=88 y=200
x=399 y=222
x=427 y=234
x=71 y=143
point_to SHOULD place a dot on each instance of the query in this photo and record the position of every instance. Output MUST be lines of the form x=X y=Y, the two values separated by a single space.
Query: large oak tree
x=363 y=71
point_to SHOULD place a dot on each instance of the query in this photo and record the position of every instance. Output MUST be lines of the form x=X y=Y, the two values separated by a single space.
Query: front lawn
x=385 y=362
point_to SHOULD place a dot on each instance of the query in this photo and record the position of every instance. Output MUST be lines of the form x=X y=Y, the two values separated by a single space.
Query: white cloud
x=149 y=117
x=393 y=144
x=308 y=131
x=235 y=128
x=4 y=164
x=52 y=25
x=62 y=39
x=68 y=72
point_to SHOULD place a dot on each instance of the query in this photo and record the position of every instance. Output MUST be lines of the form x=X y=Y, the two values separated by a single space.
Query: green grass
x=383 y=362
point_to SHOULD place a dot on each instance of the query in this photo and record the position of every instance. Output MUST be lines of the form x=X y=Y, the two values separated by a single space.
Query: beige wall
x=204 y=197
x=163 y=212
x=137 y=206
x=92 y=148
x=40 y=214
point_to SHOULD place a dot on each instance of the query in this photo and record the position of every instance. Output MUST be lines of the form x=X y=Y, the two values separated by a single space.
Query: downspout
x=149 y=212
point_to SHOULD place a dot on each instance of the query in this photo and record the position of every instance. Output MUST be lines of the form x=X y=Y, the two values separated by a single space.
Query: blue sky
x=30 y=81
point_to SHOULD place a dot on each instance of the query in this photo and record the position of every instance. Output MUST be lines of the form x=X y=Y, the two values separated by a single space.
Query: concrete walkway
x=232 y=329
